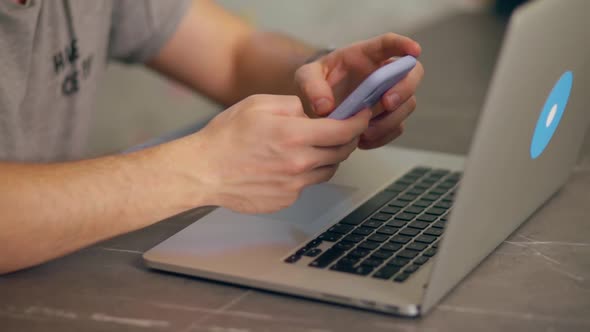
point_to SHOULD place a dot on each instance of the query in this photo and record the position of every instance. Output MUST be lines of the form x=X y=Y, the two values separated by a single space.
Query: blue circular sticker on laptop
x=551 y=114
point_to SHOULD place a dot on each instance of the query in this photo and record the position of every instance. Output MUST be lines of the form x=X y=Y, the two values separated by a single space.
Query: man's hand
x=259 y=154
x=323 y=84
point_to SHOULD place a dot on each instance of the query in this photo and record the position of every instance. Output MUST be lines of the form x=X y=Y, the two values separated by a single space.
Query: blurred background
x=135 y=105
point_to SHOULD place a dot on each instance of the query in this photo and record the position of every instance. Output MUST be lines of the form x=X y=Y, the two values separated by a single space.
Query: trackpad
x=316 y=203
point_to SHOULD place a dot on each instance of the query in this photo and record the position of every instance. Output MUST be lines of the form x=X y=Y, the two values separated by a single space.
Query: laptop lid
x=528 y=137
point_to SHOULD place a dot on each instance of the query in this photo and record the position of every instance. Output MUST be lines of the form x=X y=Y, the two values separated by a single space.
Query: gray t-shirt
x=52 y=56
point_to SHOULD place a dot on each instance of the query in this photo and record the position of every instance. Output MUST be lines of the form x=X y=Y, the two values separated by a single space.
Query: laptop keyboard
x=391 y=235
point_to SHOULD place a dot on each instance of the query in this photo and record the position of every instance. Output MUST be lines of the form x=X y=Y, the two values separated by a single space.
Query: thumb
x=315 y=89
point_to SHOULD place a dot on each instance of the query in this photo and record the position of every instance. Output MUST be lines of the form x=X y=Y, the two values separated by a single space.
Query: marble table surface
x=537 y=280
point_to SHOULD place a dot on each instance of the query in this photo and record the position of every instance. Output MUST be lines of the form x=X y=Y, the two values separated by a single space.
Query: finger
x=317 y=175
x=383 y=47
x=372 y=144
x=323 y=156
x=389 y=121
x=329 y=132
x=403 y=90
x=283 y=105
x=312 y=82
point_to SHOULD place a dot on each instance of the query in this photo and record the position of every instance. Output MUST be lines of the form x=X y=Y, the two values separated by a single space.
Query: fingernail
x=393 y=100
x=322 y=106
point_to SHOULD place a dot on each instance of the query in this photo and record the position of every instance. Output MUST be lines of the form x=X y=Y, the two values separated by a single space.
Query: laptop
x=396 y=229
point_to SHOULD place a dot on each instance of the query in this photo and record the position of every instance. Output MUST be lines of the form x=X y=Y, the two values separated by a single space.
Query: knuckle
x=301 y=73
x=298 y=166
x=401 y=128
x=412 y=103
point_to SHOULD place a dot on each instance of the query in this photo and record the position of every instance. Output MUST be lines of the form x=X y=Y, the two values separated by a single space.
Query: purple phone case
x=368 y=93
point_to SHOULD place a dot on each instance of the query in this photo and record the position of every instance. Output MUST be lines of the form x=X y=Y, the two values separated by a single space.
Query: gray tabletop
x=537 y=280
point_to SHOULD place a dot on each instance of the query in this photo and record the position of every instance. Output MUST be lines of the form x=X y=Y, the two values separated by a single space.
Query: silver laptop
x=397 y=229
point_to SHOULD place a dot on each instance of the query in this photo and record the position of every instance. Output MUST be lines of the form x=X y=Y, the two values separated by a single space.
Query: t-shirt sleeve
x=140 y=28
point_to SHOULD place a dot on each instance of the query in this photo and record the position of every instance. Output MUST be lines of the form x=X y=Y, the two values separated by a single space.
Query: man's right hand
x=257 y=156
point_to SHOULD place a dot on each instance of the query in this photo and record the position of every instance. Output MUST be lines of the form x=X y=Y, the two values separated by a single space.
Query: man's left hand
x=324 y=83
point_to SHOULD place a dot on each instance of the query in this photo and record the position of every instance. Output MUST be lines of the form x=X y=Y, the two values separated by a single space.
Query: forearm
x=266 y=63
x=222 y=56
x=49 y=210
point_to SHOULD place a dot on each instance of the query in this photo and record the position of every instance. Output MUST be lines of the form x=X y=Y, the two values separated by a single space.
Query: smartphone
x=370 y=91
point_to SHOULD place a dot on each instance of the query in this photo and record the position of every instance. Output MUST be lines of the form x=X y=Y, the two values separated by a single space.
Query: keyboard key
x=421 y=260
x=341 y=228
x=427 y=218
x=390 y=210
x=404 y=182
x=423 y=186
x=374 y=262
x=417 y=246
x=430 y=252
x=411 y=177
x=330 y=237
x=327 y=257
x=387 y=230
x=446 y=185
x=314 y=243
x=409 y=231
x=344 y=245
x=435 y=245
x=397 y=223
x=443 y=205
x=372 y=223
x=414 y=210
x=447 y=199
x=438 y=191
x=363 y=231
x=426 y=239
x=390 y=246
x=439 y=172
x=362 y=212
x=418 y=224
x=386 y=272
x=405 y=216
x=439 y=224
x=430 y=197
x=411 y=269
x=407 y=197
x=398 y=203
x=396 y=188
x=398 y=261
x=381 y=216
x=420 y=170
x=401 y=239
x=415 y=191
x=428 y=181
x=455 y=175
x=348 y=260
x=369 y=245
x=361 y=270
x=302 y=251
x=409 y=254
x=313 y=252
x=433 y=231
x=292 y=258
x=355 y=238
x=359 y=253
x=378 y=238
x=401 y=277
x=436 y=211
x=382 y=254
x=422 y=203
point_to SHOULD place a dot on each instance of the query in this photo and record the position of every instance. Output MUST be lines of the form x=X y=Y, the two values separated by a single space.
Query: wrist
x=181 y=164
